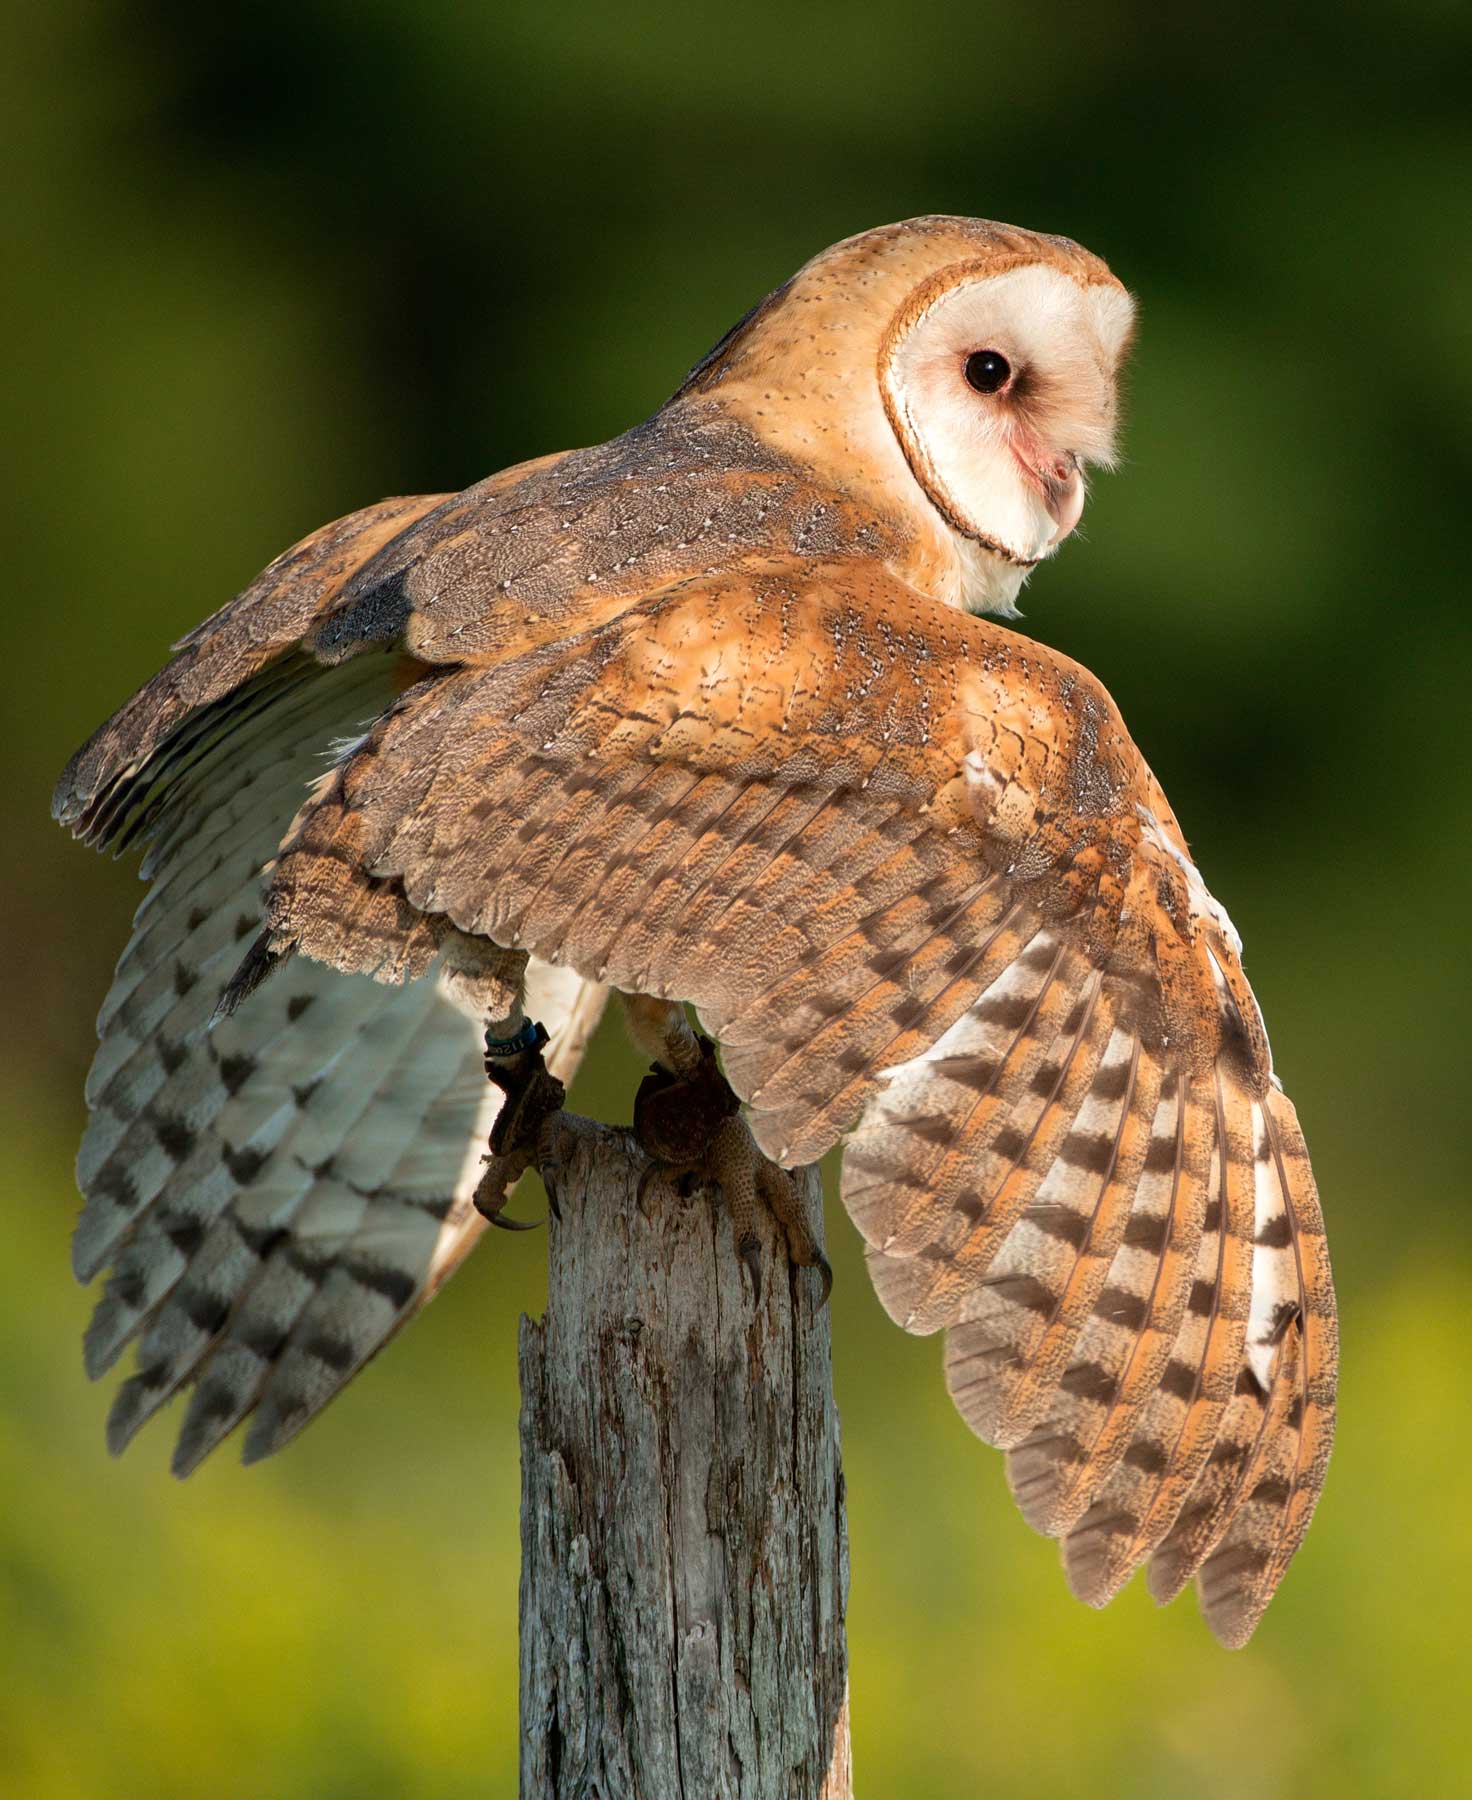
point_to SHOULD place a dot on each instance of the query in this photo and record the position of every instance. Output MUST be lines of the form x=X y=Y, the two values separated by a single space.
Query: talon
x=646 y=1181
x=494 y=1190
x=504 y=1222
x=825 y=1275
x=751 y=1255
x=549 y=1161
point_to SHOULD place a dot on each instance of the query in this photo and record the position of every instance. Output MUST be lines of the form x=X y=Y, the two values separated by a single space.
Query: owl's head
x=960 y=374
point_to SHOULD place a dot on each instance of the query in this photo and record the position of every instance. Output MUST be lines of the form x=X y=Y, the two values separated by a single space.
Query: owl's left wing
x=924 y=891
x=276 y=1194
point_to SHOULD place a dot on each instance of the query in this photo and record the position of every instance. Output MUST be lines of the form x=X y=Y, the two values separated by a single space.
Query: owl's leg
x=522 y=1133
x=688 y=1118
x=514 y=1063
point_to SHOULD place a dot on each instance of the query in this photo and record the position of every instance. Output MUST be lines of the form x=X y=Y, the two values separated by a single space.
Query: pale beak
x=1063 y=493
x=1058 y=478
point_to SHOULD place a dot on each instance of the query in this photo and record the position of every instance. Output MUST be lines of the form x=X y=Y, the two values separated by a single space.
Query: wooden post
x=684 y=1548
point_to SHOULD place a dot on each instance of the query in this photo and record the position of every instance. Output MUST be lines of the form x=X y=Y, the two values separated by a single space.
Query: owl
x=713 y=716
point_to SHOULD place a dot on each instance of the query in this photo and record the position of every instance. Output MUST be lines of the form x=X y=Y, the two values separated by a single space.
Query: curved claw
x=751 y=1255
x=504 y=1222
x=647 y=1181
x=825 y=1274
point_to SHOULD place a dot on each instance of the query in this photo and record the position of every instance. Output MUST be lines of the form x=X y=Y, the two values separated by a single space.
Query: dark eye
x=988 y=371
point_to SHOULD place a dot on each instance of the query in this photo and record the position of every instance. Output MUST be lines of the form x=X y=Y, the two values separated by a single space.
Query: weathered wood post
x=684 y=1548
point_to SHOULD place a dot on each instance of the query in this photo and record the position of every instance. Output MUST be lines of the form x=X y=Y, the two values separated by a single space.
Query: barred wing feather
x=958 y=925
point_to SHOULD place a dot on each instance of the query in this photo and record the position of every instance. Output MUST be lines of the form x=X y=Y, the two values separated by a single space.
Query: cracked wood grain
x=684 y=1549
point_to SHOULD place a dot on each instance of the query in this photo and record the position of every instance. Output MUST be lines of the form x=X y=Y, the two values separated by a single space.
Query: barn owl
x=711 y=715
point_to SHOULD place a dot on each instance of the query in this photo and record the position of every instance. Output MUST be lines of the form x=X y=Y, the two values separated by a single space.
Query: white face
x=1001 y=391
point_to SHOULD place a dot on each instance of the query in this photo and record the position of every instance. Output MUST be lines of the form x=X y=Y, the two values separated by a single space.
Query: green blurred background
x=265 y=263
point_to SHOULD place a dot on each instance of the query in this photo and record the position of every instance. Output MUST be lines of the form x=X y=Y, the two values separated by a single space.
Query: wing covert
x=922 y=888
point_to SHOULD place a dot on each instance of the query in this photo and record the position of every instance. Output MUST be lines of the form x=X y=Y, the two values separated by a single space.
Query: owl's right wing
x=922 y=888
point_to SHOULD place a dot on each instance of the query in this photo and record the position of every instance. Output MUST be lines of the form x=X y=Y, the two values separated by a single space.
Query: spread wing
x=924 y=891
x=278 y=1194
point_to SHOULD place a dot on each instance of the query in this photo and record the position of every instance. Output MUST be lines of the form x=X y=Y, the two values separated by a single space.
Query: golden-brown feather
x=694 y=713
x=840 y=890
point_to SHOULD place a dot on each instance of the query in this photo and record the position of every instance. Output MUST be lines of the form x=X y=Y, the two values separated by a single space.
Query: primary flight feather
x=705 y=715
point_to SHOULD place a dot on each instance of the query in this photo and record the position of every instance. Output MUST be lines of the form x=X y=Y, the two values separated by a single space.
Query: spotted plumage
x=706 y=714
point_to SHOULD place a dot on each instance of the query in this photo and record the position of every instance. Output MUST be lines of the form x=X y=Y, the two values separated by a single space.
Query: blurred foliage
x=267 y=262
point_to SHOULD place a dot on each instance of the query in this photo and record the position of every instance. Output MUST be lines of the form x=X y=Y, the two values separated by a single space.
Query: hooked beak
x=1063 y=495
x=1057 y=476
